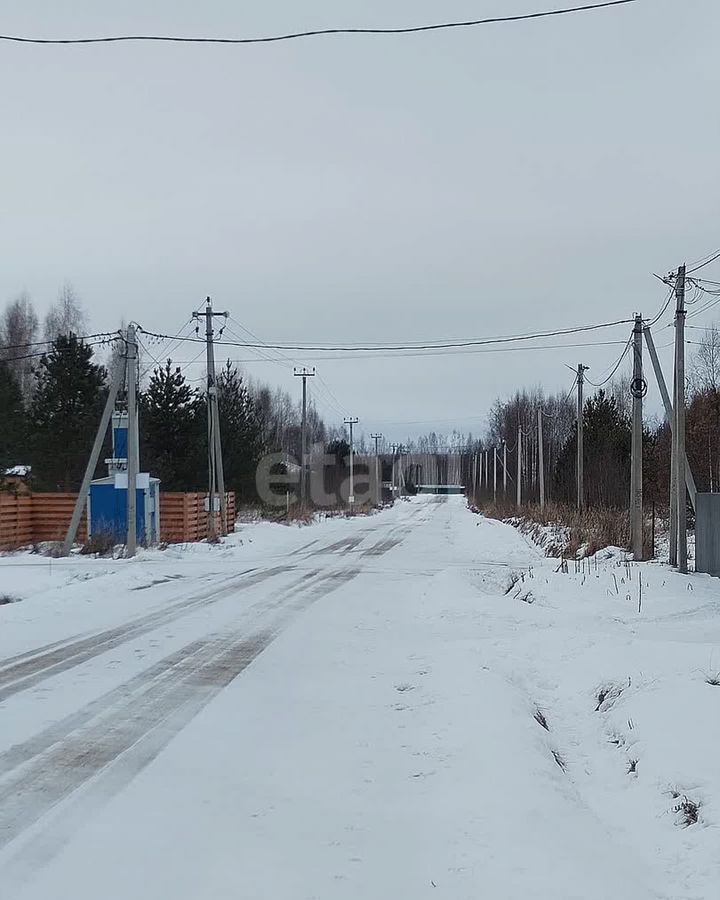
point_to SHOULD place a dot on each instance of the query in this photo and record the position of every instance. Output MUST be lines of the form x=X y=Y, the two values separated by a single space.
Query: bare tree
x=18 y=331
x=705 y=368
x=66 y=316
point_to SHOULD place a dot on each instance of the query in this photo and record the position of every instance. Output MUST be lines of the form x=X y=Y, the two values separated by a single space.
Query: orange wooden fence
x=183 y=517
x=32 y=518
x=15 y=519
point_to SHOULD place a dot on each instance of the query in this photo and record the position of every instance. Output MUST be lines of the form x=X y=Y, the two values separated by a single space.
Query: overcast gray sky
x=466 y=183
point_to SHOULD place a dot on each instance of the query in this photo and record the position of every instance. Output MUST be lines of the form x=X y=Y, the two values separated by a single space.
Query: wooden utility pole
x=581 y=369
x=541 y=459
x=216 y=474
x=350 y=421
x=304 y=374
x=378 y=482
x=638 y=389
x=679 y=434
x=132 y=442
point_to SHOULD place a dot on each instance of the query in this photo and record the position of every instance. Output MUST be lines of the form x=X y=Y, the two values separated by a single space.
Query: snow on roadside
x=618 y=656
x=465 y=718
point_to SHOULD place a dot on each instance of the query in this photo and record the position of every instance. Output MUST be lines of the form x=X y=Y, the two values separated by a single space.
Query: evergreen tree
x=241 y=431
x=67 y=404
x=13 y=434
x=607 y=443
x=173 y=431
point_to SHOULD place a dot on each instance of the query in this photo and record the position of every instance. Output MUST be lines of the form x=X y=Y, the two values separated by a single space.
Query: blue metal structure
x=107 y=497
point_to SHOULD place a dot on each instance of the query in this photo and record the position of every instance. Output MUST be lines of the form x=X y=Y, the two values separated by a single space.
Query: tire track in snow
x=28 y=672
x=163 y=670
x=78 y=764
x=130 y=725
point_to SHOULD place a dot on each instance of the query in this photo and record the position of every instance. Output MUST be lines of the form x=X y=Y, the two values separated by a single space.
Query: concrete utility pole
x=378 y=482
x=494 y=474
x=504 y=470
x=304 y=374
x=350 y=421
x=581 y=370
x=541 y=459
x=132 y=442
x=216 y=474
x=393 y=451
x=667 y=404
x=519 y=467
x=638 y=389
x=116 y=379
x=679 y=433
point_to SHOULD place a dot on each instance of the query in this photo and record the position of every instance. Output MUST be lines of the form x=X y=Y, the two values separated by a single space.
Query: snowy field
x=416 y=704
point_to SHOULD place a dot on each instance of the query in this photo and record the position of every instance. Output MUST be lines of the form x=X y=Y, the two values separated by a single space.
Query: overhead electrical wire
x=105 y=335
x=410 y=346
x=667 y=302
x=614 y=368
x=40 y=353
x=413 y=355
x=710 y=258
x=320 y=32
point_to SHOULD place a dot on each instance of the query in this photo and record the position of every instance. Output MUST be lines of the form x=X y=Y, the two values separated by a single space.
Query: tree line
x=52 y=396
x=607 y=438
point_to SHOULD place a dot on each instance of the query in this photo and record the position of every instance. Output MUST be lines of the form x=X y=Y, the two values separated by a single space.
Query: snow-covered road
x=416 y=704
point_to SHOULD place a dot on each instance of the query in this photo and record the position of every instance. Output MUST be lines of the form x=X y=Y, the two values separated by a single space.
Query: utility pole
x=519 y=466
x=393 y=450
x=494 y=474
x=679 y=432
x=132 y=442
x=581 y=369
x=350 y=421
x=541 y=459
x=667 y=404
x=116 y=379
x=216 y=475
x=378 y=483
x=638 y=389
x=504 y=470
x=304 y=374
x=400 y=475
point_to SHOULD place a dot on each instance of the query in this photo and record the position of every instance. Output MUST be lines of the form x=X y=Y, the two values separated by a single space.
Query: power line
x=695 y=267
x=319 y=32
x=411 y=355
x=614 y=368
x=40 y=353
x=671 y=294
x=430 y=346
x=109 y=335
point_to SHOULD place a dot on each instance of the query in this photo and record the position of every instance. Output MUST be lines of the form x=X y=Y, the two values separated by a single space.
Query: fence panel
x=51 y=514
x=34 y=518
x=15 y=520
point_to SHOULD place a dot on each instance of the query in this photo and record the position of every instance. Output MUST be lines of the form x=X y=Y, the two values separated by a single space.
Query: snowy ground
x=350 y=710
